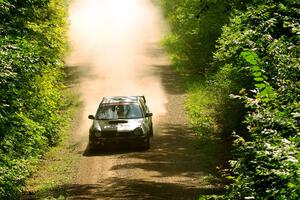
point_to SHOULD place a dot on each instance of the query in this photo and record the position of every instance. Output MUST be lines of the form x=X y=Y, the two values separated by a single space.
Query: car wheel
x=90 y=146
x=151 y=131
x=146 y=145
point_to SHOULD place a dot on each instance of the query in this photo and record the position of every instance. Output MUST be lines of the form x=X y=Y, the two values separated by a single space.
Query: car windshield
x=119 y=111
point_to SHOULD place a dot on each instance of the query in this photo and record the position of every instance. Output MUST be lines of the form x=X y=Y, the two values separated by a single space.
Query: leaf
x=250 y=57
x=295 y=114
x=255 y=68
x=229 y=177
x=257 y=74
x=267 y=93
x=259 y=79
x=260 y=85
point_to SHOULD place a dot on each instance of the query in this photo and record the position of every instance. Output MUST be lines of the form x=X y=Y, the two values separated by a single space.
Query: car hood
x=117 y=125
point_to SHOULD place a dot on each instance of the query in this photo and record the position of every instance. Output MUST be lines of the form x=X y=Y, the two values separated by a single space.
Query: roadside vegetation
x=34 y=105
x=56 y=169
x=243 y=64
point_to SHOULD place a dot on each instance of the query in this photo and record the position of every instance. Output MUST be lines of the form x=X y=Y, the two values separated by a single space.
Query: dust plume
x=111 y=42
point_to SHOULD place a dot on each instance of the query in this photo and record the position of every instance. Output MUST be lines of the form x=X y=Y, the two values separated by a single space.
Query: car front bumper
x=99 y=142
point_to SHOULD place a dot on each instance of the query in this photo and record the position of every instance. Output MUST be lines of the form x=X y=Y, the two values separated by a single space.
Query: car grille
x=112 y=134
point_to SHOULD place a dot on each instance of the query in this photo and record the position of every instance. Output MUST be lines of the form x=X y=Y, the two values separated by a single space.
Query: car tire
x=146 y=145
x=151 y=131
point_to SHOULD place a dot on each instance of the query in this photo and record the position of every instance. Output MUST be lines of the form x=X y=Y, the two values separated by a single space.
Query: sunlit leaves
x=261 y=44
x=196 y=26
x=31 y=57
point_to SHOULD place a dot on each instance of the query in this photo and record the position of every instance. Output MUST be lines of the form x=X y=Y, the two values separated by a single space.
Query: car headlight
x=98 y=133
x=138 y=131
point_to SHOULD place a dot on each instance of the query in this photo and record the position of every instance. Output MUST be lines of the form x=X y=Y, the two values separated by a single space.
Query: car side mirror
x=91 y=117
x=149 y=114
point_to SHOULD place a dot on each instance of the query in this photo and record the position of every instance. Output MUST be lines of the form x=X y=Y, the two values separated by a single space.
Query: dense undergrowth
x=244 y=56
x=32 y=49
x=53 y=172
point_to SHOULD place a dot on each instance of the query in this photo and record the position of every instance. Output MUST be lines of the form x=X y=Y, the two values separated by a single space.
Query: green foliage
x=260 y=54
x=32 y=48
x=253 y=78
x=195 y=26
x=201 y=106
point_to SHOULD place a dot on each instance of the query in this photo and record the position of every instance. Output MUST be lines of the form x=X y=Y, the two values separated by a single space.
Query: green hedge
x=32 y=49
x=259 y=53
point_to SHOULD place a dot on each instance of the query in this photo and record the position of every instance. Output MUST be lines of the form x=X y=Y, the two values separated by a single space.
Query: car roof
x=122 y=99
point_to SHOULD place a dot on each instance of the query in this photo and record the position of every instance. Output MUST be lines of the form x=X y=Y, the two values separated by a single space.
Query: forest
x=243 y=57
x=242 y=63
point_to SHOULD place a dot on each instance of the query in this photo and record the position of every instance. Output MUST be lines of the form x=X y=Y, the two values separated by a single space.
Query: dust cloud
x=111 y=43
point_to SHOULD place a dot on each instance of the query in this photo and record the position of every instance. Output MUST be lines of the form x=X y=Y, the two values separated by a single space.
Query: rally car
x=121 y=120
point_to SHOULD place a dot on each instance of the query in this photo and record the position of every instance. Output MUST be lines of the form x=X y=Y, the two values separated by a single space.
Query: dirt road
x=116 y=51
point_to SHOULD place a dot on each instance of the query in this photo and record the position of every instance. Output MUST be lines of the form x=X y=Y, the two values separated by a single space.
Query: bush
x=31 y=58
x=259 y=51
x=251 y=86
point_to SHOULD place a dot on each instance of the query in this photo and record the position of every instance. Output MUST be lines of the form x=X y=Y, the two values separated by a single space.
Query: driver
x=121 y=111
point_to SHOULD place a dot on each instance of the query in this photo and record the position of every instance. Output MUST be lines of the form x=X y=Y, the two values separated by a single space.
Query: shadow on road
x=118 y=188
x=108 y=151
x=136 y=189
x=171 y=81
x=174 y=153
